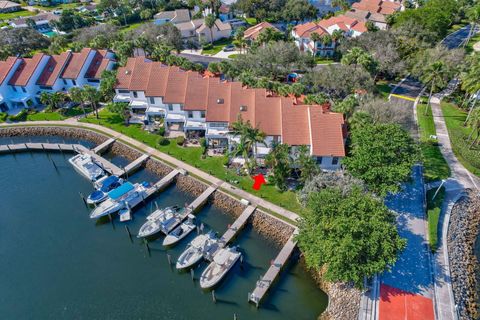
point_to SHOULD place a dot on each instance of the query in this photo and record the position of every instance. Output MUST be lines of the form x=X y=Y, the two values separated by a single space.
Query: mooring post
x=129 y=234
x=56 y=169
x=156 y=205
x=145 y=242
x=169 y=258
x=83 y=198
x=234 y=316
x=192 y=273
x=213 y=297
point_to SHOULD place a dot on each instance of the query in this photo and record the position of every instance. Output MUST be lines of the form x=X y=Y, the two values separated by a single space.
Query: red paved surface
x=396 y=304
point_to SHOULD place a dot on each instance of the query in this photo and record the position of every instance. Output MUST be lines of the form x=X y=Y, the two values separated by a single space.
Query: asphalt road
x=456 y=39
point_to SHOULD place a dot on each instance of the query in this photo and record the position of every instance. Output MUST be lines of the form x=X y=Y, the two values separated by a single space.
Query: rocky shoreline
x=463 y=231
x=344 y=300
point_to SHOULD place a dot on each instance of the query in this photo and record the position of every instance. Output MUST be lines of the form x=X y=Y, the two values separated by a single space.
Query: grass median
x=434 y=208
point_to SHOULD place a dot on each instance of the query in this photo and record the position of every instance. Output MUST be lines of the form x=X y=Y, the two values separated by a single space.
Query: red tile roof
x=25 y=71
x=54 y=67
x=224 y=101
x=253 y=32
x=377 y=6
x=5 y=67
x=76 y=63
x=342 y=22
x=98 y=65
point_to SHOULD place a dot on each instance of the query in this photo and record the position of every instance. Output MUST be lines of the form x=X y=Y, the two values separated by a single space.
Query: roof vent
x=127 y=72
x=220 y=101
x=243 y=108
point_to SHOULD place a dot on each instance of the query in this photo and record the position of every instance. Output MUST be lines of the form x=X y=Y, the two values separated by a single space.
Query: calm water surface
x=56 y=263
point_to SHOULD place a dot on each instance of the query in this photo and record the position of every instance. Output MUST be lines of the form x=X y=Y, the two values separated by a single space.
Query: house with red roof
x=199 y=106
x=333 y=26
x=375 y=11
x=22 y=80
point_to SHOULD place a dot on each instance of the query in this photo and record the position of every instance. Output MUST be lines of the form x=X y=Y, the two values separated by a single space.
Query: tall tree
x=349 y=236
x=77 y=96
x=210 y=23
x=435 y=75
x=93 y=96
x=299 y=10
x=279 y=161
x=382 y=155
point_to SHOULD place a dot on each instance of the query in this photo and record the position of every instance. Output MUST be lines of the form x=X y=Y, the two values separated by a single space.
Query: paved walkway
x=170 y=160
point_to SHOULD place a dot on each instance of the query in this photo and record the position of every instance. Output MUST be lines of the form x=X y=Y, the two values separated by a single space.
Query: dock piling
x=145 y=242
x=214 y=299
x=192 y=273
x=169 y=258
x=129 y=234
x=83 y=198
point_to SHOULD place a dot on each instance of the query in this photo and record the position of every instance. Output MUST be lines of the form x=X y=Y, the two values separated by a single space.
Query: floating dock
x=264 y=284
x=104 y=146
x=236 y=226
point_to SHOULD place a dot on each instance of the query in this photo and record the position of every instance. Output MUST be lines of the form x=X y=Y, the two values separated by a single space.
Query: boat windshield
x=109 y=183
x=222 y=257
x=121 y=191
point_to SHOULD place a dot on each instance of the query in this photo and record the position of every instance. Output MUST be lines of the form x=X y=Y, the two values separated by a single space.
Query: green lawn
x=60 y=6
x=17 y=14
x=383 y=88
x=135 y=25
x=45 y=116
x=434 y=207
x=468 y=155
x=192 y=156
x=436 y=168
x=217 y=46
x=251 y=21
x=323 y=60
x=473 y=40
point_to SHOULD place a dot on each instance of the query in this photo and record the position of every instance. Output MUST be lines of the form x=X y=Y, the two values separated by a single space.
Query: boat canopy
x=222 y=257
x=108 y=183
x=120 y=191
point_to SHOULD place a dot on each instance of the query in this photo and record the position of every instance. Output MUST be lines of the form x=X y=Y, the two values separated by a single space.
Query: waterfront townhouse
x=375 y=11
x=197 y=106
x=22 y=80
x=350 y=27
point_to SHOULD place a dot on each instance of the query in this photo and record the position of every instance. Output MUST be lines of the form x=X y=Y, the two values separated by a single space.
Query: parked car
x=229 y=48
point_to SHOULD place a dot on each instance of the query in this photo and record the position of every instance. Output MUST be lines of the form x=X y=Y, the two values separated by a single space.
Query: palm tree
x=434 y=75
x=76 y=95
x=280 y=161
x=337 y=35
x=249 y=138
x=474 y=123
x=57 y=98
x=471 y=81
x=46 y=100
x=210 y=22
x=315 y=37
x=91 y=95
x=474 y=16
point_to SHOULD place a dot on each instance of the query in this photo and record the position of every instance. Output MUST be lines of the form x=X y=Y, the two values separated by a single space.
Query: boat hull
x=208 y=284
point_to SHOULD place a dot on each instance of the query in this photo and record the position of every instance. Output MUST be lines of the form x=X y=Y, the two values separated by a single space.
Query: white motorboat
x=199 y=247
x=126 y=195
x=160 y=220
x=87 y=167
x=222 y=262
x=104 y=186
x=180 y=231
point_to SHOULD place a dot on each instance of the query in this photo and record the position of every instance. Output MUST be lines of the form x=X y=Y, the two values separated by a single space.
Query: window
x=14 y=89
x=319 y=160
x=152 y=100
x=64 y=82
x=123 y=91
x=181 y=107
x=24 y=90
x=202 y=114
x=190 y=114
x=45 y=88
x=170 y=107
x=135 y=94
x=334 y=161
x=220 y=101
x=74 y=82
x=217 y=125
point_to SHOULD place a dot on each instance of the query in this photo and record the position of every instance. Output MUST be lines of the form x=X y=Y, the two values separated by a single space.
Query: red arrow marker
x=259 y=180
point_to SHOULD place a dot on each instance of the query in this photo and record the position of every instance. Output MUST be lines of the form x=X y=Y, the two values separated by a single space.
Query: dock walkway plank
x=236 y=226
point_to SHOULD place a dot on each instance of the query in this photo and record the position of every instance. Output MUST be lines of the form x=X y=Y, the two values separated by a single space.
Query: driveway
x=456 y=39
x=410 y=281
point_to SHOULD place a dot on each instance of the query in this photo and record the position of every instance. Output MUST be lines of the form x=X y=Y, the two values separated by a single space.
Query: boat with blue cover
x=104 y=186
x=127 y=195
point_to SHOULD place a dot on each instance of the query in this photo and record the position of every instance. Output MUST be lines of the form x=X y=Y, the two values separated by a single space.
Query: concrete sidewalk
x=174 y=162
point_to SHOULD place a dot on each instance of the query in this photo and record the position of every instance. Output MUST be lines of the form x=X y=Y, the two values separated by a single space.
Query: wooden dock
x=264 y=284
x=233 y=230
x=163 y=183
x=135 y=164
x=104 y=146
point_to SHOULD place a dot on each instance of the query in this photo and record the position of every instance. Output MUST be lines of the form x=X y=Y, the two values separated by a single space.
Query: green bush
x=21 y=116
x=3 y=116
x=161 y=131
x=226 y=161
x=180 y=140
x=462 y=147
x=163 y=141
x=207 y=46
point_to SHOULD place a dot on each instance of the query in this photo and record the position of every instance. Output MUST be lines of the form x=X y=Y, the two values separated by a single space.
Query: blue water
x=56 y=263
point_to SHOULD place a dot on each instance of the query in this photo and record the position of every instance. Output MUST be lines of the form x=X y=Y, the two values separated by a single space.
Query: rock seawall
x=67 y=132
x=464 y=266
x=125 y=151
